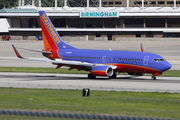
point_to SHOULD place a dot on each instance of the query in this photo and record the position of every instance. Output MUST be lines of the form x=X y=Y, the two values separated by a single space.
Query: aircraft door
x=104 y=59
x=145 y=62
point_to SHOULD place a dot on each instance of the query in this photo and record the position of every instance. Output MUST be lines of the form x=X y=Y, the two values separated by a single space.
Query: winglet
x=17 y=53
x=142 y=48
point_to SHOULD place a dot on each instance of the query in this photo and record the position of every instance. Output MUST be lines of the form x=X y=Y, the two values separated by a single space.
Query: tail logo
x=50 y=29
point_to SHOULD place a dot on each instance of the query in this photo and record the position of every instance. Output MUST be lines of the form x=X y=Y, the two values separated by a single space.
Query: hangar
x=95 y=19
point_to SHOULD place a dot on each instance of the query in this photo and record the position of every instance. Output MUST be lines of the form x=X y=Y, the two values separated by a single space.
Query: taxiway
x=80 y=81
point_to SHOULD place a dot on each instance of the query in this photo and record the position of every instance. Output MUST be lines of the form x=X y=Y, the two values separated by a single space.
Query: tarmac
x=80 y=81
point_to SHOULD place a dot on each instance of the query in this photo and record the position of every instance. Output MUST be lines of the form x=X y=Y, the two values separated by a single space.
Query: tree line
x=8 y=3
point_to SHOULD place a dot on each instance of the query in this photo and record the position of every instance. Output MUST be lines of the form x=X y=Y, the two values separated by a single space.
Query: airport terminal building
x=95 y=19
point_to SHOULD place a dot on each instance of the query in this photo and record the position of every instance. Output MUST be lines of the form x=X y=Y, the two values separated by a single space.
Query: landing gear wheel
x=153 y=78
x=113 y=76
x=91 y=76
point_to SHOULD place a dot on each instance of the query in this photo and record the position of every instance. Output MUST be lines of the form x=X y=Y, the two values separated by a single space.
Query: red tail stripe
x=50 y=40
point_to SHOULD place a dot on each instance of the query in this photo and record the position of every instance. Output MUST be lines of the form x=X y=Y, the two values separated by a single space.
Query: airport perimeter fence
x=24 y=114
x=56 y=111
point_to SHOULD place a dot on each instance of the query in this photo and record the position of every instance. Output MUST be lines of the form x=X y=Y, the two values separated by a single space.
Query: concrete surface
x=77 y=81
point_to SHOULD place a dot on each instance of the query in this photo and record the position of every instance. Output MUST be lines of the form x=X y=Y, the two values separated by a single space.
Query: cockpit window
x=157 y=60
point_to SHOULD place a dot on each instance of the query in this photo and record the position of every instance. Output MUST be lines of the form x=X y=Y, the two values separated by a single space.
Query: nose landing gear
x=153 y=78
x=91 y=76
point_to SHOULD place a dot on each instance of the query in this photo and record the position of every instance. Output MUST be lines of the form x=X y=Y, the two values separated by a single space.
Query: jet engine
x=102 y=71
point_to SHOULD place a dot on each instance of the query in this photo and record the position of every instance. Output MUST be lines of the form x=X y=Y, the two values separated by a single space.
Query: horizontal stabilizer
x=47 y=52
x=17 y=53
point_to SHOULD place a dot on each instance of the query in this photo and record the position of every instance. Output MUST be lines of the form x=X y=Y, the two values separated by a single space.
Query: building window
x=138 y=35
x=104 y=3
x=155 y=22
x=76 y=23
x=173 y=22
x=152 y=2
x=109 y=23
x=58 y=22
x=111 y=3
x=170 y=2
x=133 y=22
x=98 y=35
x=137 y=2
x=118 y=3
x=94 y=23
x=161 y=2
x=145 y=3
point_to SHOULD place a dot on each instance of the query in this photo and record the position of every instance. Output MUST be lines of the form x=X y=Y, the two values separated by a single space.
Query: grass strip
x=121 y=103
x=169 y=73
x=41 y=70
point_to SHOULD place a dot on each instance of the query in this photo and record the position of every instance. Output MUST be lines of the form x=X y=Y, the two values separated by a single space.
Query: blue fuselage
x=126 y=61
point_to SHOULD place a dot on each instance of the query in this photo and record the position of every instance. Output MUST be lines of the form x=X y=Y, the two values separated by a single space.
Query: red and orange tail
x=51 y=39
x=142 y=48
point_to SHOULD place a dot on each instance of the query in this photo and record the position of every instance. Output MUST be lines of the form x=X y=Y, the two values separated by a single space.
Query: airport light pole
x=65 y=3
x=87 y=3
x=174 y=4
x=99 y=3
x=32 y=2
x=55 y=3
x=39 y=3
x=19 y=3
x=127 y=4
x=22 y=2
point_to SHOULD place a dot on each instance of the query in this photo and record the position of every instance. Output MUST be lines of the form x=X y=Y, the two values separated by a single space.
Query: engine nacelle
x=102 y=71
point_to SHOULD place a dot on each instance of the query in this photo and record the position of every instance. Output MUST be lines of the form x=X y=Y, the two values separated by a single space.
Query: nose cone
x=166 y=66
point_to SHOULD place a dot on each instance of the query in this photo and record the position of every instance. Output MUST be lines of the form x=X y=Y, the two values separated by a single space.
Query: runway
x=80 y=81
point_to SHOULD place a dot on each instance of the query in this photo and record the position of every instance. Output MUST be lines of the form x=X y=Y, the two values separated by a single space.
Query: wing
x=59 y=62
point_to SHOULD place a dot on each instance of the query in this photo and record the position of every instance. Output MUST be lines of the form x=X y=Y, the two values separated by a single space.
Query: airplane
x=98 y=62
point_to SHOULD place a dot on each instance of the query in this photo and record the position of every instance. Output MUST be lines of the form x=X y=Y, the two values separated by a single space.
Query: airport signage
x=99 y=14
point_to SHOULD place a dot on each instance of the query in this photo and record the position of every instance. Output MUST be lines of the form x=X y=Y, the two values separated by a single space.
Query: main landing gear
x=113 y=76
x=91 y=76
x=153 y=78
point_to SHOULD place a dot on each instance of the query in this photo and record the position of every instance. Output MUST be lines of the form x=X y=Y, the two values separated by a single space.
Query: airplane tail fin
x=142 y=48
x=51 y=38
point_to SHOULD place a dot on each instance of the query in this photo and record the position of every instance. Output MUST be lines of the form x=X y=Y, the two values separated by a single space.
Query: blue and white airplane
x=97 y=62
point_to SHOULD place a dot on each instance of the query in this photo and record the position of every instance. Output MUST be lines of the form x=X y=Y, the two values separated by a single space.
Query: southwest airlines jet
x=97 y=62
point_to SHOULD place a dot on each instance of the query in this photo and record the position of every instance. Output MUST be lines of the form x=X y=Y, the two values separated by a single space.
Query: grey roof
x=75 y=11
x=165 y=30
x=80 y=9
x=4 y=10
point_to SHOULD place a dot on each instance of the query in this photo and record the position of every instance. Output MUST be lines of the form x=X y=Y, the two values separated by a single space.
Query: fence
x=12 y=113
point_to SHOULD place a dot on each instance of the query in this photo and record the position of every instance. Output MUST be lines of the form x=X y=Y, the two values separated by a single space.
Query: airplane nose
x=167 y=66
